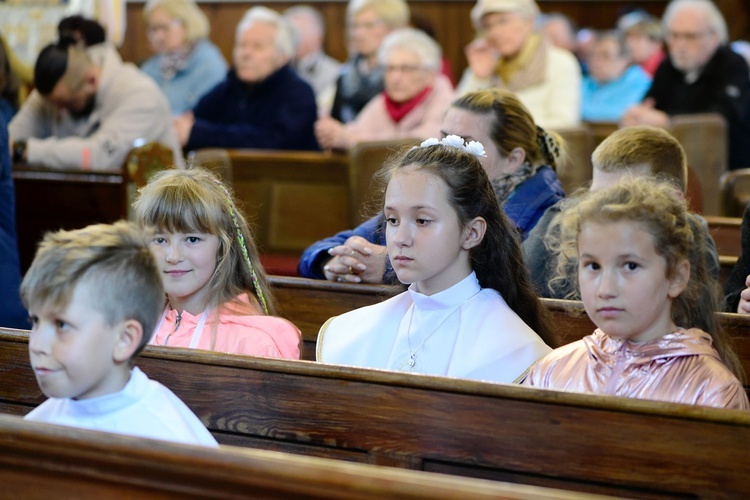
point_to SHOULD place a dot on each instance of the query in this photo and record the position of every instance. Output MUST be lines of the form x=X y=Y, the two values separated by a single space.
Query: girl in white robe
x=470 y=311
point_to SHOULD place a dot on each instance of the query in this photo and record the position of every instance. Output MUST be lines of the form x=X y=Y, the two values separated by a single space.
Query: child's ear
x=474 y=233
x=130 y=333
x=680 y=278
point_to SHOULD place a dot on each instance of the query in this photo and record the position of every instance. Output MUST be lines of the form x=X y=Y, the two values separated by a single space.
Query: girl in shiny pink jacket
x=644 y=284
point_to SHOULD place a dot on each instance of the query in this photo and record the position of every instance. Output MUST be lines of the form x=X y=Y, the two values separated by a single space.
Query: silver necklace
x=413 y=354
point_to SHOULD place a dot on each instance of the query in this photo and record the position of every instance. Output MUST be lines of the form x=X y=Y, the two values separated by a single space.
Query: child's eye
x=423 y=222
x=193 y=239
x=159 y=240
x=591 y=266
x=631 y=266
x=60 y=324
x=392 y=221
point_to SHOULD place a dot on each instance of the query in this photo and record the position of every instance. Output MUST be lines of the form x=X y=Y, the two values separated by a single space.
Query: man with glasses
x=701 y=74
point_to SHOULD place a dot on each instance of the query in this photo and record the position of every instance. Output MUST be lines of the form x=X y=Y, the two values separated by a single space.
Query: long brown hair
x=498 y=259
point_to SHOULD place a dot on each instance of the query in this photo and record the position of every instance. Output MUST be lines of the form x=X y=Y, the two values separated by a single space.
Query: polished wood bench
x=48 y=200
x=495 y=431
x=309 y=303
x=41 y=460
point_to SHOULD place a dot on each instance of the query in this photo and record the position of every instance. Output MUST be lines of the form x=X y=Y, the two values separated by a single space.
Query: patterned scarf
x=505 y=185
x=172 y=62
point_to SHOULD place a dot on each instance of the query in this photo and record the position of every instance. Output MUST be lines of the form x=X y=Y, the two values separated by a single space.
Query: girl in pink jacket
x=644 y=284
x=218 y=296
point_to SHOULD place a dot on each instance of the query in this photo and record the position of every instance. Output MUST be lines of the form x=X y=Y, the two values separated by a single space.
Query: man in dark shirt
x=262 y=103
x=702 y=74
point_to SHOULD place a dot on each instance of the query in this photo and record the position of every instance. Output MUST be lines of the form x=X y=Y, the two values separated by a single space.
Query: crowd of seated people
x=474 y=220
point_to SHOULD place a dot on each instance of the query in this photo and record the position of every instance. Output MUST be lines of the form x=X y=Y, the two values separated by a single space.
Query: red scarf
x=398 y=110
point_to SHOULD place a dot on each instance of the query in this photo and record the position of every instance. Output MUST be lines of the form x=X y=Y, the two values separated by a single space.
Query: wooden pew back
x=309 y=303
x=41 y=460
x=48 y=200
x=495 y=431
x=293 y=198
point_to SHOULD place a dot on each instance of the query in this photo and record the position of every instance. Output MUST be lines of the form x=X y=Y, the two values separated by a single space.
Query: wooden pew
x=40 y=460
x=503 y=432
x=48 y=200
x=726 y=234
x=309 y=303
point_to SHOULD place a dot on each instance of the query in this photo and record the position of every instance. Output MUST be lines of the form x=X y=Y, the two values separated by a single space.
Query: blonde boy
x=94 y=296
x=637 y=151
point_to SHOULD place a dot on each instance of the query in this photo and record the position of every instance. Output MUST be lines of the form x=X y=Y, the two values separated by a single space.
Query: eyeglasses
x=154 y=29
x=407 y=69
x=691 y=37
x=365 y=26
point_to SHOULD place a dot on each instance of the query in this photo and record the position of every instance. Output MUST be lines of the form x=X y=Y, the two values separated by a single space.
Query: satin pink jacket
x=236 y=333
x=680 y=367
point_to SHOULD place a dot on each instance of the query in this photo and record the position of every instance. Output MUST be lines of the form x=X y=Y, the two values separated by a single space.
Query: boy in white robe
x=94 y=295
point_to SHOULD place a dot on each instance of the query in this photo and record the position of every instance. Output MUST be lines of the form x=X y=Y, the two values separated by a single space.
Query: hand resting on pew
x=356 y=261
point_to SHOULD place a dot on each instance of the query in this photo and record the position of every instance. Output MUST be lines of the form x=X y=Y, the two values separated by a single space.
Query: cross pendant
x=411 y=361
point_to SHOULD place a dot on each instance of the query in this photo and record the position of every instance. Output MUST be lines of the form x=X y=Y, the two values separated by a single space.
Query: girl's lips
x=402 y=258
x=176 y=273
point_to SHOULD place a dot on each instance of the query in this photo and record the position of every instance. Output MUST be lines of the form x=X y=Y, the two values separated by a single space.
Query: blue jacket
x=205 y=68
x=609 y=101
x=277 y=113
x=525 y=206
x=12 y=312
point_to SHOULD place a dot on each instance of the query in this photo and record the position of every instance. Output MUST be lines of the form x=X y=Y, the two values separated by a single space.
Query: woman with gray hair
x=185 y=63
x=509 y=54
x=415 y=98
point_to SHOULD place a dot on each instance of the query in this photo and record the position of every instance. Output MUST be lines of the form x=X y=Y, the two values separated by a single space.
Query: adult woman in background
x=520 y=162
x=367 y=24
x=510 y=55
x=415 y=98
x=186 y=64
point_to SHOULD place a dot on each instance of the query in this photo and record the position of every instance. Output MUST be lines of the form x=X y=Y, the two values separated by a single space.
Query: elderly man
x=262 y=103
x=702 y=74
x=87 y=111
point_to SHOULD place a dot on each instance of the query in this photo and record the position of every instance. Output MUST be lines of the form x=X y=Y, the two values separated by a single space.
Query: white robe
x=143 y=408
x=464 y=332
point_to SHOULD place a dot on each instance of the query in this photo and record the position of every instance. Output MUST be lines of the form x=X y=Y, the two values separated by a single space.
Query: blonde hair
x=656 y=206
x=512 y=126
x=394 y=13
x=187 y=12
x=652 y=147
x=193 y=200
x=114 y=260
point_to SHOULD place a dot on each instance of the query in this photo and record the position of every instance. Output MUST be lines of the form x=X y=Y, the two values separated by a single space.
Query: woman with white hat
x=509 y=54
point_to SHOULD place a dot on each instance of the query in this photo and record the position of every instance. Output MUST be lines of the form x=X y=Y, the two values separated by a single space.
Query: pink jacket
x=680 y=367
x=237 y=332
x=374 y=124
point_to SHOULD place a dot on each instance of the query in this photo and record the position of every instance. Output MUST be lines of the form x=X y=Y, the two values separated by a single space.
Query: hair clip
x=549 y=146
x=472 y=147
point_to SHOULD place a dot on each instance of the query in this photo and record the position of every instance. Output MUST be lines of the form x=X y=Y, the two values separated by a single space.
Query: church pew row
x=43 y=461
x=309 y=303
x=575 y=442
x=726 y=234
